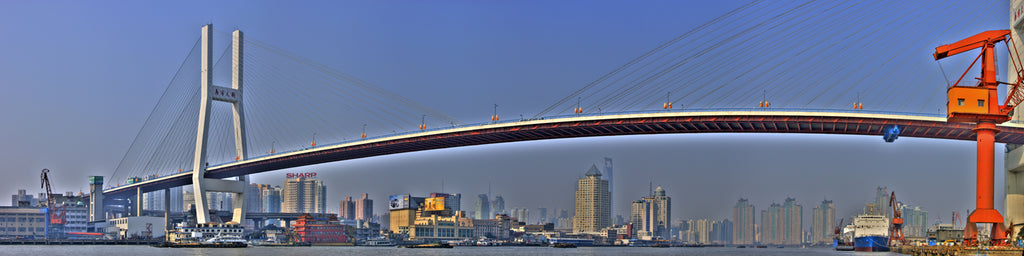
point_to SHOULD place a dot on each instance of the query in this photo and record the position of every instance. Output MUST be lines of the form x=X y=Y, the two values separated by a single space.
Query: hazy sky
x=80 y=78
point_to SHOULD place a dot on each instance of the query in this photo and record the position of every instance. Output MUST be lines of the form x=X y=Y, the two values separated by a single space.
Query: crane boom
x=971 y=43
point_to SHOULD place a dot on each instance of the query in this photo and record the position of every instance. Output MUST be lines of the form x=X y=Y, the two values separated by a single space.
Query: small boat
x=762 y=246
x=661 y=245
x=564 y=245
x=741 y=246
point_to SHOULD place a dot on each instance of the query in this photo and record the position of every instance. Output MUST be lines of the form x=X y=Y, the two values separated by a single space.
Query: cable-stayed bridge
x=767 y=67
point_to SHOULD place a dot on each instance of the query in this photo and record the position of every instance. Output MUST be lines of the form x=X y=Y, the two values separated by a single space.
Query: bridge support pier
x=137 y=202
x=233 y=95
x=1014 y=162
x=167 y=211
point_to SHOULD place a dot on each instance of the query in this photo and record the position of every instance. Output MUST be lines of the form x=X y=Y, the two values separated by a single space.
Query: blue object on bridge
x=891 y=133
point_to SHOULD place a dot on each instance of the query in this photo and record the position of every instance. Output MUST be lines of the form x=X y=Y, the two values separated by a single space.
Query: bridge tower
x=1014 y=158
x=209 y=93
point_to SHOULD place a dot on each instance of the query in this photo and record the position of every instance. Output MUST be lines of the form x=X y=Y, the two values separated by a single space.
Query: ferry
x=215 y=235
x=379 y=241
x=870 y=233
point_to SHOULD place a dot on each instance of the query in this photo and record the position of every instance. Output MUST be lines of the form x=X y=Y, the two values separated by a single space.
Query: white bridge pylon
x=233 y=95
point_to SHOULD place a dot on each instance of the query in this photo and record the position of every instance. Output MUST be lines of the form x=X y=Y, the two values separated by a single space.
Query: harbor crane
x=896 y=229
x=56 y=214
x=979 y=104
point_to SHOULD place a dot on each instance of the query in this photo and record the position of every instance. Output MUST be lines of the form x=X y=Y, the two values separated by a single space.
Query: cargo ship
x=870 y=233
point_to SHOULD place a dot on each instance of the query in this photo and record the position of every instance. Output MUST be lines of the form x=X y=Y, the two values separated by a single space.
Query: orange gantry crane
x=896 y=229
x=979 y=104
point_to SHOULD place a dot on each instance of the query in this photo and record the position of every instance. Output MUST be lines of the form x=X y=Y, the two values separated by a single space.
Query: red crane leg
x=985 y=213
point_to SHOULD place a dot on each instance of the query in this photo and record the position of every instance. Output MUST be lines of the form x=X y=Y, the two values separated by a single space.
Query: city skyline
x=928 y=173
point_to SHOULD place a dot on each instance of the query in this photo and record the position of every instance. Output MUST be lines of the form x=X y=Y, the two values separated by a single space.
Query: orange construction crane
x=896 y=229
x=980 y=105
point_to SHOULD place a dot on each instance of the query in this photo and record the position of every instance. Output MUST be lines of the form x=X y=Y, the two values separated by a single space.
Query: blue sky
x=80 y=78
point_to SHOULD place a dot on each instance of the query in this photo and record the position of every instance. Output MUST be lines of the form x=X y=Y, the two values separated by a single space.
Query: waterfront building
x=483 y=207
x=404 y=209
x=824 y=223
x=364 y=208
x=22 y=222
x=304 y=195
x=347 y=209
x=442 y=228
x=593 y=205
x=320 y=231
x=651 y=216
x=135 y=227
x=498 y=228
x=743 y=229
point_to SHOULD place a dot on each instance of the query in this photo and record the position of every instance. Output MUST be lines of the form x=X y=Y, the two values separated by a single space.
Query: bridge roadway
x=605 y=124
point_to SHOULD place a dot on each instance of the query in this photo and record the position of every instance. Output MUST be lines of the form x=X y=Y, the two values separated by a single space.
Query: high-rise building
x=499 y=206
x=651 y=216
x=723 y=232
x=915 y=221
x=593 y=203
x=824 y=222
x=271 y=199
x=881 y=201
x=783 y=224
x=483 y=208
x=153 y=200
x=220 y=201
x=743 y=229
x=188 y=199
x=347 y=209
x=611 y=181
x=364 y=208
x=542 y=214
x=304 y=195
x=452 y=202
x=254 y=197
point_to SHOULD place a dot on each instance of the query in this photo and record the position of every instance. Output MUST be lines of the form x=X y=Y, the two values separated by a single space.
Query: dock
x=956 y=250
x=74 y=242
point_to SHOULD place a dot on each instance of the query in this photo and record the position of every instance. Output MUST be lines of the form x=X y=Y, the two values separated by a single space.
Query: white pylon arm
x=209 y=93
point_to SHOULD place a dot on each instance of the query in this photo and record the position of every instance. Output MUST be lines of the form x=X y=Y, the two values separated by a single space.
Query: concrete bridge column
x=1014 y=162
x=137 y=202
x=167 y=210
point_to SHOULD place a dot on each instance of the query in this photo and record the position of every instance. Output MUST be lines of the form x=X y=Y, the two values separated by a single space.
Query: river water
x=111 y=250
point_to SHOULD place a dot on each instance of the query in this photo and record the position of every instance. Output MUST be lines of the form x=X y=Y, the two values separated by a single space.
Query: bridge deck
x=740 y=121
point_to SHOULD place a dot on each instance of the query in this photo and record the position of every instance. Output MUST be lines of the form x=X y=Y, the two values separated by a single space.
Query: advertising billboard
x=434 y=204
x=397 y=202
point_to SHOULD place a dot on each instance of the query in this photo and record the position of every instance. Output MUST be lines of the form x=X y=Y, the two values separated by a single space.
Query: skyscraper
x=499 y=206
x=271 y=199
x=651 y=216
x=593 y=203
x=743 y=229
x=347 y=209
x=824 y=222
x=304 y=195
x=915 y=221
x=483 y=208
x=254 y=197
x=881 y=201
x=542 y=214
x=364 y=208
x=792 y=222
x=611 y=182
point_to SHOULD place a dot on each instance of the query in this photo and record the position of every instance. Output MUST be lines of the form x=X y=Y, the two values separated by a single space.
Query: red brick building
x=320 y=231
